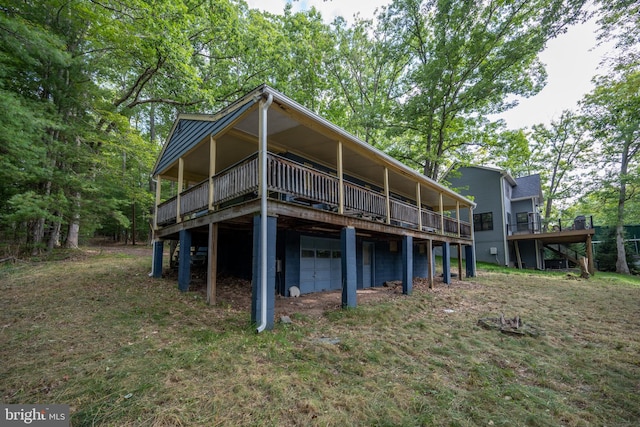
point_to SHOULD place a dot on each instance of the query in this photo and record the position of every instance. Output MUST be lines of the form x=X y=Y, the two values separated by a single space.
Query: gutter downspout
x=262 y=155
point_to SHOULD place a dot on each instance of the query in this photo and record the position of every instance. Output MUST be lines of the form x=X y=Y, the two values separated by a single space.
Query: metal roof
x=188 y=132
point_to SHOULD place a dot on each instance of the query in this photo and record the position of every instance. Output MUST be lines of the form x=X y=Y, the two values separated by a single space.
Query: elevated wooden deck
x=300 y=191
x=555 y=237
x=559 y=237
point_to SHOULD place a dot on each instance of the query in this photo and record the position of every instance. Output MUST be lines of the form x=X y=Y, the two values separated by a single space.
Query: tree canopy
x=89 y=90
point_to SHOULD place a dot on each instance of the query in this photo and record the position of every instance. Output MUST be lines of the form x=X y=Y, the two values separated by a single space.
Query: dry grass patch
x=95 y=332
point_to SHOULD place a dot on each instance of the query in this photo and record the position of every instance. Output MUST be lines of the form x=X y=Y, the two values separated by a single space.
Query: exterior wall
x=420 y=261
x=387 y=264
x=484 y=186
x=291 y=264
x=518 y=206
x=527 y=254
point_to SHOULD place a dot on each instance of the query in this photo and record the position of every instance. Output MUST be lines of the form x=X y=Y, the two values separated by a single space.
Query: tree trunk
x=74 y=227
x=54 y=235
x=621 y=261
x=37 y=236
x=133 y=223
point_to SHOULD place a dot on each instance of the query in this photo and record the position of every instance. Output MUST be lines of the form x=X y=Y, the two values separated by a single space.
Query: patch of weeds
x=206 y=336
x=91 y=331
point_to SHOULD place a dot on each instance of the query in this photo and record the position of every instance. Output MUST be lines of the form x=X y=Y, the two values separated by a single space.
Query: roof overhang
x=295 y=129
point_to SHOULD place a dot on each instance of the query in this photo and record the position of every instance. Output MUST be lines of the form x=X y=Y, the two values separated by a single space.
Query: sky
x=571 y=60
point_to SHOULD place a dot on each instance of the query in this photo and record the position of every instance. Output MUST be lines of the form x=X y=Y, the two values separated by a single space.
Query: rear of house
x=285 y=198
x=507 y=221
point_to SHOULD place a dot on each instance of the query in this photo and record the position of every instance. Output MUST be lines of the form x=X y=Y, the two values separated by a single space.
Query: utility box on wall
x=493 y=251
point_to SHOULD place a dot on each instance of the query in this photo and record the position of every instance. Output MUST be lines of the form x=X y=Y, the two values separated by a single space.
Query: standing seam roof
x=188 y=133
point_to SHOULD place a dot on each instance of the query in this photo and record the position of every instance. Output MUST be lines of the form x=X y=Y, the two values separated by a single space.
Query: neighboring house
x=507 y=224
x=286 y=198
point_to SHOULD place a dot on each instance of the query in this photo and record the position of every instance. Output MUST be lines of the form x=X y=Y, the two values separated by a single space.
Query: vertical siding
x=484 y=186
x=388 y=265
x=291 y=260
x=420 y=262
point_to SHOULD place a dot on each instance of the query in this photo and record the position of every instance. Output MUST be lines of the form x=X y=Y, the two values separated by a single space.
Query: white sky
x=571 y=59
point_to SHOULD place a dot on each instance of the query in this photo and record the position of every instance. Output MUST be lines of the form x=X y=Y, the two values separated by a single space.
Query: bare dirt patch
x=236 y=293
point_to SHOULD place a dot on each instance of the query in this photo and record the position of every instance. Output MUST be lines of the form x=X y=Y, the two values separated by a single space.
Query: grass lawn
x=122 y=349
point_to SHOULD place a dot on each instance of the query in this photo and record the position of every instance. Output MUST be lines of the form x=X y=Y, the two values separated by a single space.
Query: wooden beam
x=180 y=185
x=158 y=195
x=591 y=266
x=212 y=263
x=213 y=146
x=245 y=211
x=419 y=203
x=386 y=194
x=458 y=216
x=518 y=259
x=340 y=180
x=441 y=215
x=430 y=264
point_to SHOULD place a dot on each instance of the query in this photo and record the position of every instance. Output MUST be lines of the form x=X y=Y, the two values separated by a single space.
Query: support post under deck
x=349 y=273
x=407 y=265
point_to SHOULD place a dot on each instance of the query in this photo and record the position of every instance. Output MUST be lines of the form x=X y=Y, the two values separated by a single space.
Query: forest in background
x=89 y=90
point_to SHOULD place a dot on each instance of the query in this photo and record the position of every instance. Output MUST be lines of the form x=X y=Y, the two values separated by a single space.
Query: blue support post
x=469 y=256
x=446 y=263
x=407 y=264
x=256 y=294
x=184 y=261
x=156 y=264
x=349 y=273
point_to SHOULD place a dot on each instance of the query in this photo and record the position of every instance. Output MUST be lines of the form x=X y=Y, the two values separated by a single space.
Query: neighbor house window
x=483 y=221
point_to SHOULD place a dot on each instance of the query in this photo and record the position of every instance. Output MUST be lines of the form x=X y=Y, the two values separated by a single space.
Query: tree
x=366 y=67
x=612 y=109
x=467 y=57
x=561 y=150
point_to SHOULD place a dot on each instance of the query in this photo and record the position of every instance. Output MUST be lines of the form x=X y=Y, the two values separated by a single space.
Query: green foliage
x=561 y=152
x=606 y=253
x=466 y=58
x=612 y=109
x=88 y=90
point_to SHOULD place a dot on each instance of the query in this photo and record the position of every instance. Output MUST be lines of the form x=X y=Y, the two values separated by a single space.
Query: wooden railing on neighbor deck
x=291 y=181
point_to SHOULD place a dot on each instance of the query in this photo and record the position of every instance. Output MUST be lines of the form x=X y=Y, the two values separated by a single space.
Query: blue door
x=320 y=268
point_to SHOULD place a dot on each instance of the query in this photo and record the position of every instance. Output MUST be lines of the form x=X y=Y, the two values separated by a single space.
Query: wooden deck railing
x=404 y=213
x=292 y=181
x=194 y=198
x=166 y=211
x=288 y=177
x=363 y=201
x=236 y=181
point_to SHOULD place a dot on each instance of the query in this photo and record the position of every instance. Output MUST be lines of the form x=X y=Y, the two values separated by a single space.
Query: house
x=294 y=203
x=507 y=225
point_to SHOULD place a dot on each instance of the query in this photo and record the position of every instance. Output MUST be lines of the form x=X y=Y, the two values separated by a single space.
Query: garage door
x=320 y=265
